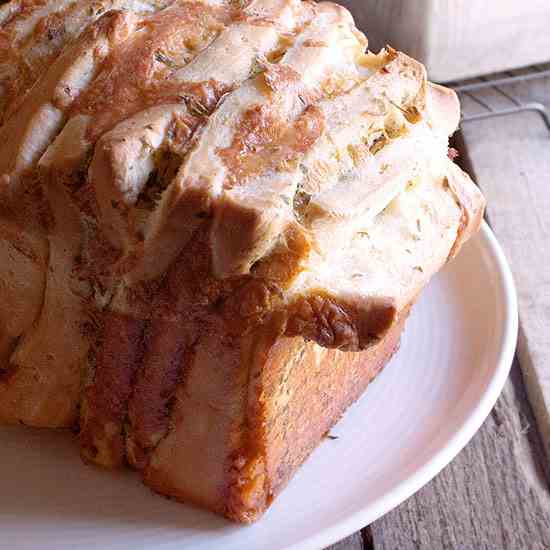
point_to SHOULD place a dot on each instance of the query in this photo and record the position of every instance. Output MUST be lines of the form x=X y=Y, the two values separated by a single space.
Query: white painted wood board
x=457 y=39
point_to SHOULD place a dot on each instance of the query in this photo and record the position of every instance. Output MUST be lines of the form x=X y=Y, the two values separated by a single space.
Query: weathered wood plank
x=510 y=156
x=493 y=496
x=355 y=542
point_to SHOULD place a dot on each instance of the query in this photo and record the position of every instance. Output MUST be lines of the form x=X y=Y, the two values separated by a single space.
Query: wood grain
x=355 y=542
x=510 y=156
x=493 y=496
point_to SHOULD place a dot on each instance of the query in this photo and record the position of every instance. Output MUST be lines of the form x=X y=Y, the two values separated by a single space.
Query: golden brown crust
x=306 y=391
x=333 y=324
x=472 y=205
x=261 y=142
x=180 y=314
x=260 y=410
x=106 y=399
x=139 y=75
x=191 y=462
x=168 y=351
x=24 y=256
x=25 y=136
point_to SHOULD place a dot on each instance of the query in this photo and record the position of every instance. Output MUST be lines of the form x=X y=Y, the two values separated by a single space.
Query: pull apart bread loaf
x=214 y=219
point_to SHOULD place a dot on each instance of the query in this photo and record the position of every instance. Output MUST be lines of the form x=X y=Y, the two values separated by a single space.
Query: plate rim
x=488 y=254
x=444 y=456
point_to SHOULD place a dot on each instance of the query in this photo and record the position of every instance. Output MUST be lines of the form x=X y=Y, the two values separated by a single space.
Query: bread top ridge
x=315 y=173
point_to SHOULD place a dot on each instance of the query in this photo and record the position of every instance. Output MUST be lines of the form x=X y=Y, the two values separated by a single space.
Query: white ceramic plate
x=424 y=407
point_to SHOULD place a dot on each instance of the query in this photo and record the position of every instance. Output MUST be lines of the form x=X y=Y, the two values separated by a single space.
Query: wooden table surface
x=496 y=493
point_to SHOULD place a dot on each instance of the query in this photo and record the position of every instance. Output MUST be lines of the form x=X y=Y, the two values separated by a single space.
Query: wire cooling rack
x=503 y=100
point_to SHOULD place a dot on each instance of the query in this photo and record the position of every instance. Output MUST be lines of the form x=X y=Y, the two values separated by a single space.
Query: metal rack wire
x=499 y=83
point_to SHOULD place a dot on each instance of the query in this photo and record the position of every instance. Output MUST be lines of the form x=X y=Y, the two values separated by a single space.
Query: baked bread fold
x=214 y=220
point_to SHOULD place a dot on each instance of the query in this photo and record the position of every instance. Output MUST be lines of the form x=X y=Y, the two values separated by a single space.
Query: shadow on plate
x=42 y=478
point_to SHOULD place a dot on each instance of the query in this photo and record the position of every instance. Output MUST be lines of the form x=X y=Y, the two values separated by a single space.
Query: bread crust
x=259 y=409
x=214 y=218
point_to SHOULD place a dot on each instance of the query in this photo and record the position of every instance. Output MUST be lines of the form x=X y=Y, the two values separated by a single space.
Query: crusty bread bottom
x=245 y=424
